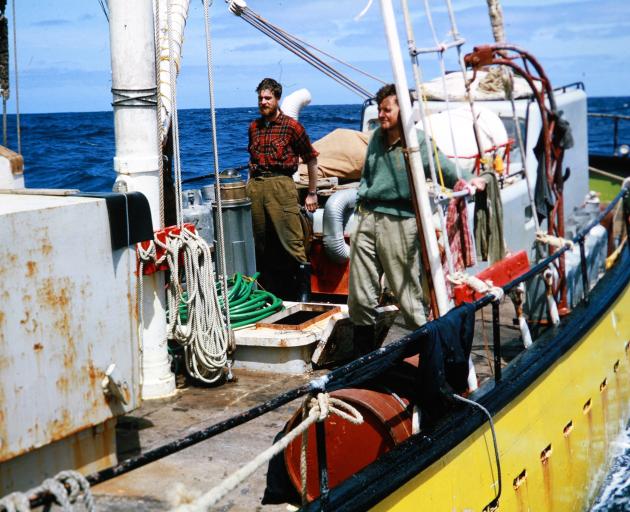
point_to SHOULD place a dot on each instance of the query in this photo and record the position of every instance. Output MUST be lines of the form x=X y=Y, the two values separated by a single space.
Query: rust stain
x=46 y=247
x=29 y=324
x=63 y=384
x=1 y=327
x=38 y=347
x=69 y=355
x=61 y=427
x=31 y=268
x=133 y=311
x=55 y=294
x=545 y=459
x=95 y=375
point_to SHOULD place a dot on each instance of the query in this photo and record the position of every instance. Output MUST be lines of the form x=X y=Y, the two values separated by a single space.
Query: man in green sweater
x=385 y=242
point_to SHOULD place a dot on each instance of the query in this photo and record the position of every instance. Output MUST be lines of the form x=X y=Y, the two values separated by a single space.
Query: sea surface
x=75 y=150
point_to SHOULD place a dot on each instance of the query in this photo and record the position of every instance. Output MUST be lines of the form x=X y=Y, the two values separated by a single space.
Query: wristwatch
x=311 y=193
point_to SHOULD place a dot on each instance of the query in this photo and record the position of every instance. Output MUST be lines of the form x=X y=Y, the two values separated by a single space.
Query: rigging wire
x=417 y=73
x=460 y=58
x=105 y=8
x=299 y=48
x=459 y=41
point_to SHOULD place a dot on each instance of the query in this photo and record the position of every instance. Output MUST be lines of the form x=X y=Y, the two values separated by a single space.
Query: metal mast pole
x=136 y=162
x=417 y=169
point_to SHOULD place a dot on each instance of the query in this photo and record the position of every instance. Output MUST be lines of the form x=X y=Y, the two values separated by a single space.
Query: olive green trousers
x=385 y=245
x=276 y=218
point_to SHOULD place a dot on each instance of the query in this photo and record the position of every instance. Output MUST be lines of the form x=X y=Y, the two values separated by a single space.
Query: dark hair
x=390 y=90
x=384 y=92
x=271 y=85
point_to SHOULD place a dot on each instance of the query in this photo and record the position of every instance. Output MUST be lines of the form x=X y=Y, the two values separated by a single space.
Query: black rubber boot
x=304 y=282
x=364 y=337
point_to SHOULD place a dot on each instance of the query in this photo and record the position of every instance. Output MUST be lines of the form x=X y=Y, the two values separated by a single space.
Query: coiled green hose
x=246 y=305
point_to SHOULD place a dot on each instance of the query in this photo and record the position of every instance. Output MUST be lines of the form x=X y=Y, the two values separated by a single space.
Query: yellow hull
x=554 y=438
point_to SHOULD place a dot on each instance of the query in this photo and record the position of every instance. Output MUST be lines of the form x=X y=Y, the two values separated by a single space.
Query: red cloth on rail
x=458 y=232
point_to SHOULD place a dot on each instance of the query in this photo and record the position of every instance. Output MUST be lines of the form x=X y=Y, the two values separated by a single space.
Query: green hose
x=247 y=305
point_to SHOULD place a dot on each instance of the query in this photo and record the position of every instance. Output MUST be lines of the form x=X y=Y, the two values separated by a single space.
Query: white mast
x=417 y=169
x=136 y=162
x=496 y=20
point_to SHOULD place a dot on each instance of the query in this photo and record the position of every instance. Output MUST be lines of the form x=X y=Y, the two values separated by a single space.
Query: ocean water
x=75 y=150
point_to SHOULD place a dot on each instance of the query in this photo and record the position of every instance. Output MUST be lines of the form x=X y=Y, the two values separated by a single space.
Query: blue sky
x=64 y=61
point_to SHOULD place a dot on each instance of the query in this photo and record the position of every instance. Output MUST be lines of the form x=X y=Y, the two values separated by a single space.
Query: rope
x=551 y=301
x=320 y=408
x=67 y=488
x=554 y=241
x=477 y=285
x=174 y=115
x=202 y=332
x=217 y=183
x=518 y=297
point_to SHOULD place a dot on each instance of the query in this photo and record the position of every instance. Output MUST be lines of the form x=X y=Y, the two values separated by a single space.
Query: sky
x=64 y=59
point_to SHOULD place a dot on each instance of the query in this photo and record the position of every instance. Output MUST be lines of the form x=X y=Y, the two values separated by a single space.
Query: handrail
x=615 y=118
x=609 y=116
x=577 y=85
x=353 y=373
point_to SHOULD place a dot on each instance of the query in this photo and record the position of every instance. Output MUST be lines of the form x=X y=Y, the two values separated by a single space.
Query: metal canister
x=238 y=234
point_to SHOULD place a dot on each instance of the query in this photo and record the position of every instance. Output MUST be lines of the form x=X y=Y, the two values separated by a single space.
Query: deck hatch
x=299 y=316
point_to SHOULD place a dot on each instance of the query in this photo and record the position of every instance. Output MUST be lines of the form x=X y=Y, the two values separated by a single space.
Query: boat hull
x=557 y=412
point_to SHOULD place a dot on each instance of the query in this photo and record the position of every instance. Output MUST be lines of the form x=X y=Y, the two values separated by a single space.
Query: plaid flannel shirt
x=277 y=145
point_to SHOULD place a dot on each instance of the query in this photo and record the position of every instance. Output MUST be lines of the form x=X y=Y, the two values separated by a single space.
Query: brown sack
x=341 y=154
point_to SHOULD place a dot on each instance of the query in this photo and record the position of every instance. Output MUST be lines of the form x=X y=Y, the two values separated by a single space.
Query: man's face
x=267 y=103
x=388 y=112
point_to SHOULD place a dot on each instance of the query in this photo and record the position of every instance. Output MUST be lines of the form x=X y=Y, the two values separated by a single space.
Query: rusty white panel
x=67 y=311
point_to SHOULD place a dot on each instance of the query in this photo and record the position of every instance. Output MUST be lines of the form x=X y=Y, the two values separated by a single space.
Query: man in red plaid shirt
x=276 y=144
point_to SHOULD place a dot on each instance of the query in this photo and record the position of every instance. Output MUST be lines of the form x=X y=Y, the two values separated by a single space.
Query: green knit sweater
x=384 y=186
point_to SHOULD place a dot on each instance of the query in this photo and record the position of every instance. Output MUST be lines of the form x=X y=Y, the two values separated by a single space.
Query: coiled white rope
x=554 y=241
x=67 y=487
x=203 y=335
x=320 y=408
x=476 y=284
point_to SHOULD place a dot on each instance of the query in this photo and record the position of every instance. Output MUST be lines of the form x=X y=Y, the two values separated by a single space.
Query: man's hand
x=478 y=183
x=311 y=201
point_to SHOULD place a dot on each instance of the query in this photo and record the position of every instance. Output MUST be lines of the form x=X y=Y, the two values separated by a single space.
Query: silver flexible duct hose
x=334 y=243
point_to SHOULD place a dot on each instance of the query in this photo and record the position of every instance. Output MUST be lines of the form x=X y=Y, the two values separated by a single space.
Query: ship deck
x=197 y=469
